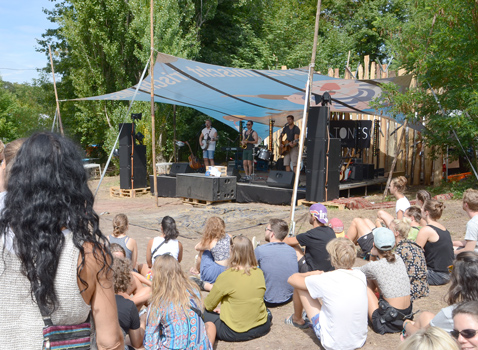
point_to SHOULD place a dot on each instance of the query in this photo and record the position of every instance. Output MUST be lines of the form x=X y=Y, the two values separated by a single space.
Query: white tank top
x=172 y=248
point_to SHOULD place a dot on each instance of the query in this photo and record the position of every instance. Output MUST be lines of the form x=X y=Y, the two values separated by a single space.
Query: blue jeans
x=437 y=278
x=209 y=268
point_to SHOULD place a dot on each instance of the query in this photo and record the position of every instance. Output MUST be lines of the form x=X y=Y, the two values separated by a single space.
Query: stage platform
x=257 y=190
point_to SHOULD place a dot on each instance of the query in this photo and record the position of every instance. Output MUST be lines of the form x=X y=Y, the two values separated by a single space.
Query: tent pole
x=153 y=129
x=56 y=93
x=310 y=81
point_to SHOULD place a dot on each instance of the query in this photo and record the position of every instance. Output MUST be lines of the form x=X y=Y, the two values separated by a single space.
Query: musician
x=292 y=133
x=249 y=139
x=208 y=143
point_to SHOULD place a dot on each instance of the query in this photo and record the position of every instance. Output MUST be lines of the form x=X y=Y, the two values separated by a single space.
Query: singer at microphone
x=288 y=147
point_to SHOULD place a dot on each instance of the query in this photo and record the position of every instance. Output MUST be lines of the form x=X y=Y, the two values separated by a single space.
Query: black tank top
x=439 y=254
x=249 y=137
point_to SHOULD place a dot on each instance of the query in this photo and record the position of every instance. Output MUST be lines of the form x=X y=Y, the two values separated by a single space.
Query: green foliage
x=457 y=188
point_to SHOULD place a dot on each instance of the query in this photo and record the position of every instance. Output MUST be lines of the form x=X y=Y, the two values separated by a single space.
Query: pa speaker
x=139 y=167
x=139 y=156
x=139 y=178
x=180 y=168
x=233 y=171
x=357 y=171
x=126 y=134
x=318 y=122
x=283 y=179
x=317 y=186
x=368 y=171
x=317 y=154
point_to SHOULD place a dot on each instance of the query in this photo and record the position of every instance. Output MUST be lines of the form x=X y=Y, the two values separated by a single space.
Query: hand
x=217 y=310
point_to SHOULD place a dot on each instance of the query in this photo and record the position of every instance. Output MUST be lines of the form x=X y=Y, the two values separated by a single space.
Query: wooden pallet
x=327 y=204
x=194 y=201
x=115 y=191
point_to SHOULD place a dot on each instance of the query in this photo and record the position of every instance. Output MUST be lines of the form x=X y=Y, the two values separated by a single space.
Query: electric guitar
x=345 y=170
x=285 y=146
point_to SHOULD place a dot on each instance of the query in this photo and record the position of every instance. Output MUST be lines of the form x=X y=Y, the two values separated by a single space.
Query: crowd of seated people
x=156 y=305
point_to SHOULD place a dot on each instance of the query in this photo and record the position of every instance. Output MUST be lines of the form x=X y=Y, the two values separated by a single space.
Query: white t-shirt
x=343 y=317
x=402 y=204
x=172 y=248
x=472 y=231
x=208 y=134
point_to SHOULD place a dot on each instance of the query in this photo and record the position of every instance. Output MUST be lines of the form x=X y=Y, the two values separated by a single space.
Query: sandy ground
x=251 y=220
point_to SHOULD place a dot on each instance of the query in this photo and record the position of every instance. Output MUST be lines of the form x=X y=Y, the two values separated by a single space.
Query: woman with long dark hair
x=57 y=261
x=166 y=243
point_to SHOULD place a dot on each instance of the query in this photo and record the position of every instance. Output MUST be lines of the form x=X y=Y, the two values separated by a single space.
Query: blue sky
x=21 y=23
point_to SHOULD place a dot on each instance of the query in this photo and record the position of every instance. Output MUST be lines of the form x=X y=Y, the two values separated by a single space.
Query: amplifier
x=206 y=188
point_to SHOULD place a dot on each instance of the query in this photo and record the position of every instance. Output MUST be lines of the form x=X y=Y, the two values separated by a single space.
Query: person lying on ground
x=335 y=301
x=278 y=262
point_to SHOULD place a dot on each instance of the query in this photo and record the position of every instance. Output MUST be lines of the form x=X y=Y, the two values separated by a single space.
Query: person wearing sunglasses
x=465 y=320
x=249 y=139
x=463 y=287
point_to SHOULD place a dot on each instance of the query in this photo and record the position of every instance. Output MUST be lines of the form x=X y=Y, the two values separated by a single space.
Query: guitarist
x=249 y=138
x=292 y=132
x=209 y=135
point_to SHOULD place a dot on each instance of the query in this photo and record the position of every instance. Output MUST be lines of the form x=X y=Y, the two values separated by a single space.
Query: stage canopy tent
x=232 y=94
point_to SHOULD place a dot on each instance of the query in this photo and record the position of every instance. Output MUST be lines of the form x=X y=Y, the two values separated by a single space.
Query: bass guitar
x=285 y=146
x=194 y=162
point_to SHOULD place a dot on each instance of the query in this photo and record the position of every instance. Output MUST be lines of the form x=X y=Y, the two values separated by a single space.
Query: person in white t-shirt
x=397 y=188
x=470 y=206
x=208 y=138
x=338 y=317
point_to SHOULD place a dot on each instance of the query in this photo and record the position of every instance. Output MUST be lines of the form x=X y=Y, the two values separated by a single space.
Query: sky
x=21 y=23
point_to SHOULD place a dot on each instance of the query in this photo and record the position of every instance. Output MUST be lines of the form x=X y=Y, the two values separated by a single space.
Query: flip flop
x=292 y=323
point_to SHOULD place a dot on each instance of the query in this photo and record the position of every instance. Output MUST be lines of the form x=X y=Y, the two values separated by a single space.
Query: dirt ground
x=251 y=220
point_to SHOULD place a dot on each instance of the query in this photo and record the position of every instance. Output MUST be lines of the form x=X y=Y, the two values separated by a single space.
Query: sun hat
x=383 y=238
x=319 y=212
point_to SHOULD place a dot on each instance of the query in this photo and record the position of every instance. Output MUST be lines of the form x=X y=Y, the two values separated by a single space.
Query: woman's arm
x=422 y=236
x=400 y=214
x=100 y=295
x=149 y=259
x=180 y=253
x=133 y=246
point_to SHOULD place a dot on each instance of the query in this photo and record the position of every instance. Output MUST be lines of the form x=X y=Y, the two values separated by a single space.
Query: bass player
x=207 y=140
x=289 y=147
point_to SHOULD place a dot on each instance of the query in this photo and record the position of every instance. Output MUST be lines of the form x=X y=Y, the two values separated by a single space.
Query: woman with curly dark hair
x=56 y=261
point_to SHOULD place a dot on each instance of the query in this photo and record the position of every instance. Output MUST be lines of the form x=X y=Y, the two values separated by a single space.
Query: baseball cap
x=338 y=226
x=383 y=238
x=319 y=212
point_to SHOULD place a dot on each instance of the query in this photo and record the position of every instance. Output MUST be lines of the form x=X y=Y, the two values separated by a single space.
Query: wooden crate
x=222 y=169
x=327 y=204
x=115 y=191
x=194 y=201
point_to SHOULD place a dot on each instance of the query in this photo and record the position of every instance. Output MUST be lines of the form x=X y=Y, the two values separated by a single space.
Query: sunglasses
x=466 y=333
x=248 y=124
x=268 y=229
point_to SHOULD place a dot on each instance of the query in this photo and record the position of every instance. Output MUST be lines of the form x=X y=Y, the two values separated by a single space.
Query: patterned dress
x=172 y=328
x=414 y=259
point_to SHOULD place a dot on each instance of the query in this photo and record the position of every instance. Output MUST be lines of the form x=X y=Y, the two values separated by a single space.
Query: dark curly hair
x=122 y=274
x=48 y=192
x=463 y=278
x=169 y=228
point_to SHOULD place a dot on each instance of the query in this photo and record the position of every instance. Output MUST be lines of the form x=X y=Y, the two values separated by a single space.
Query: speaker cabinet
x=233 y=171
x=165 y=185
x=316 y=185
x=317 y=153
x=318 y=122
x=357 y=171
x=180 y=168
x=139 y=176
x=368 y=170
x=282 y=179
x=126 y=134
x=206 y=188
